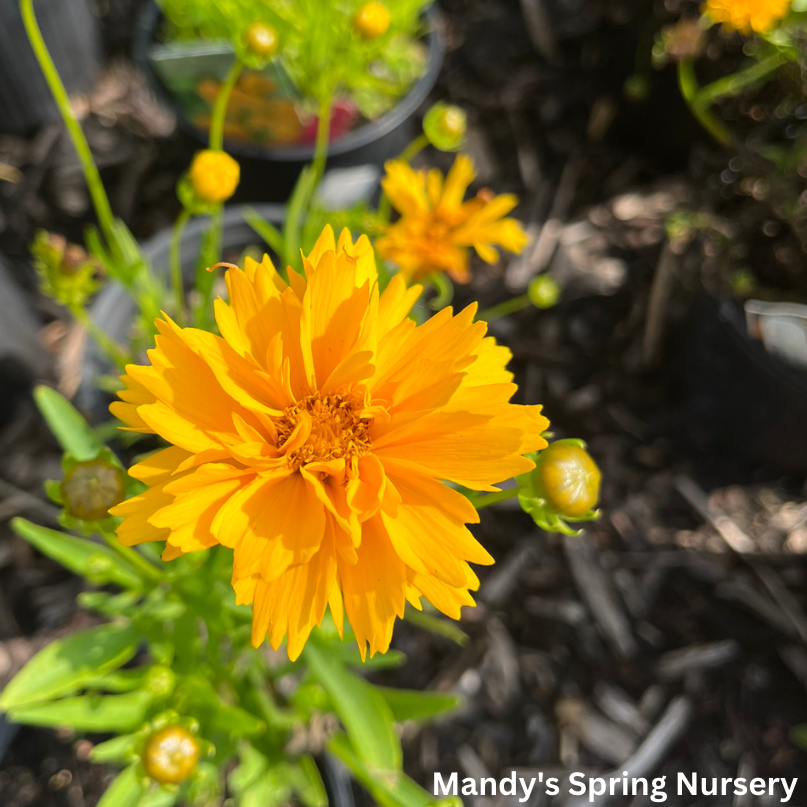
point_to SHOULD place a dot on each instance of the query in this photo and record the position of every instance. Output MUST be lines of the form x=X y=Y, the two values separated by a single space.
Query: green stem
x=112 y=349
x=688 y=84
x=414 y=148
x=735 y=83
x=323 y=138
x=149 y=571
x=93 y=178
x=176 y=264
x=216 y=141
x=487 y=499
x=505 y=309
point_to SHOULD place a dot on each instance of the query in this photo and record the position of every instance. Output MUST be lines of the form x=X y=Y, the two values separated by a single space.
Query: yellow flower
x=214 y=175
x=314 y=437
x=373 y=20
x=747 y=16
x=436 y=227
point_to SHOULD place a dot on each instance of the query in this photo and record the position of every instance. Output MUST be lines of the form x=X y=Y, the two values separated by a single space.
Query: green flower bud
x=170 y=755
x=544 y=291
x=90 y=488
x=445 y=126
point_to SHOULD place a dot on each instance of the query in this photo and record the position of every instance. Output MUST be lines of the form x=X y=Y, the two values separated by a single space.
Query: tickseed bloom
x=747 y=16
x=436 y=227
x=214 y=175
x=314 y=437
x=372 y=20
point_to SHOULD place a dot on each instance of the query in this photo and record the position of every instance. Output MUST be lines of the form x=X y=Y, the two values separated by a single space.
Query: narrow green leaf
x=63 y=666
x=308 y=783
x=126 y=791
x=98 y=563
x=393 y=790
x=363 y=711
x=67 y=424
x=158 y=797
x=409 y=704
x=95 y=712
x=118 y=750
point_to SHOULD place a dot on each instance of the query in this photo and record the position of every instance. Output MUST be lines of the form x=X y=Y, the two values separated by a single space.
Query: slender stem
x=414 y=148
x=176 y=264
x=216 y=142
x=148 y=570
x=690 y=89
x=93 y=178
x=323 y=138
x=113 y=350
x=506 y=308
x=488 y=499
x=736 y=82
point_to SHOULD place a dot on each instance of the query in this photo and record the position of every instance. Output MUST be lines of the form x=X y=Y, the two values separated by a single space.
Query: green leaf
x=396 y=790
x=363 y=711
x=67 y=424
x=159 y=797
x=126 y=791
x=97 y=713
x=63 y=666
x=117 y=750
x=308 y=783
x=98 y=563
x=409 y=704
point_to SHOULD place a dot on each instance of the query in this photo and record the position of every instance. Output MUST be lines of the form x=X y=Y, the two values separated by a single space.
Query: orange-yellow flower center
x=334 y=427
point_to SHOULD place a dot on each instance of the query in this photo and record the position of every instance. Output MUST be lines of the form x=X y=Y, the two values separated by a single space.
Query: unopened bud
x=90 y=488
x=171 y=755
x=445 y=126
x=544 y=291
x=373 y=20
x=568 y=479
x=214 y=176
x=261 y=39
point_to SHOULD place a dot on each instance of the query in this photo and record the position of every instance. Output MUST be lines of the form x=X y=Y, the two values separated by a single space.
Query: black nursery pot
x=113 y=310
x=269 y=174
x=738 y=401
x=70 y=29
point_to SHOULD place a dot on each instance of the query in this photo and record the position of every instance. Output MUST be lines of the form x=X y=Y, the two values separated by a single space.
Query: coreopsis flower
x=314 y=437
x=437 y=227
x=214 y=176
x=747 y=16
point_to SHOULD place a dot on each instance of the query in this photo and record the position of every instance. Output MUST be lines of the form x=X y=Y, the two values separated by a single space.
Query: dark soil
x=685 y=601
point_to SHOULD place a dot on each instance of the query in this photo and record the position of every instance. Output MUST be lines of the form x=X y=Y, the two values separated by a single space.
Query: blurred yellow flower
x=372 y=20
x=436 y=227
x=314 y=437
x=214 y=175
x=747 y=16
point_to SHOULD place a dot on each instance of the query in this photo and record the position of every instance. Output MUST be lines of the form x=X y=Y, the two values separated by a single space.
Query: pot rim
x=355 y=140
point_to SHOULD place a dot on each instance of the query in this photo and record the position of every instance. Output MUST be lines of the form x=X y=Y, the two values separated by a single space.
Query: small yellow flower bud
x=261 y=40
x=568 y=479
x=214 y=175
x=90 y=488
x=170 y=755
x=372 y=21
x=445 y=126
